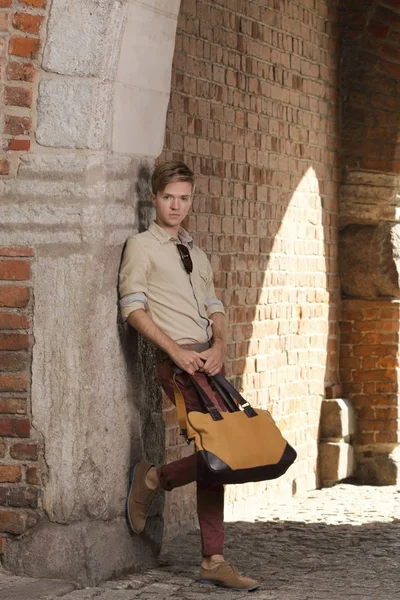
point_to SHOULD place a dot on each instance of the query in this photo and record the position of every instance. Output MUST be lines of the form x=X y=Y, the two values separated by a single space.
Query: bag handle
x=228 y=387
x=220 y=382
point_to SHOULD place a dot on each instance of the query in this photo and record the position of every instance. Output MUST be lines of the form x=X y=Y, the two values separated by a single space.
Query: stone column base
x=86 y=552
x=380 y=466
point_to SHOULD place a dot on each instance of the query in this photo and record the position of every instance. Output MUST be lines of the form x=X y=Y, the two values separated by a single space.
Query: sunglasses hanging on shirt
x=185 y=257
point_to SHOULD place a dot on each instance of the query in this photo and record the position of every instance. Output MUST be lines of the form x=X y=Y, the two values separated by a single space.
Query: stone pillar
x=369 y=238
x=102 y=94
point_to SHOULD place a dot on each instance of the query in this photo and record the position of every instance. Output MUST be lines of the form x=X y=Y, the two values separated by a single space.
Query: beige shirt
x=153 y=278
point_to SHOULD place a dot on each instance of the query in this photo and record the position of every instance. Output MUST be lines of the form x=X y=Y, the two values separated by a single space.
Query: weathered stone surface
x=139 y=131
x=369 y=260
x=36 y=590
x=336 y=462
x=148 y=40
x=69 y=198
x=82 y=37
x=337 y=420
x=89 y=399
x=144 y=76
x=380 y=467
x=74 y=114
x=86 y=552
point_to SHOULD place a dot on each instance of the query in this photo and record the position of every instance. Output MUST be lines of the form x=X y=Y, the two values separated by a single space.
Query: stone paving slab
x=36 y=590
x=337 y=543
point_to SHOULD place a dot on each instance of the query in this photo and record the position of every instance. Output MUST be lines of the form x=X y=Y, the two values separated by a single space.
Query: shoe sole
x=130 y=486
x=226 y=587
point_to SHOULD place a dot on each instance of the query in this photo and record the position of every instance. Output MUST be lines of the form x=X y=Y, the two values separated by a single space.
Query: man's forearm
x=219 y=329
x=141 y=321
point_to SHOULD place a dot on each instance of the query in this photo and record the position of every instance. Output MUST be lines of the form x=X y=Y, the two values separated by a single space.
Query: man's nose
x=175 y=203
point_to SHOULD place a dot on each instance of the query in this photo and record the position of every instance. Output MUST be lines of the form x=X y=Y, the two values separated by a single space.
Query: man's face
x=173 y=203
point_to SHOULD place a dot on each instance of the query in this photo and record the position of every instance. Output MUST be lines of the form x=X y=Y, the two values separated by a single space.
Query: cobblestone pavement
x=342 y=542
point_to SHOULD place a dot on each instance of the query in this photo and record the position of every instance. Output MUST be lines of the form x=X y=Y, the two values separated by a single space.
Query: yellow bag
x=241 y=445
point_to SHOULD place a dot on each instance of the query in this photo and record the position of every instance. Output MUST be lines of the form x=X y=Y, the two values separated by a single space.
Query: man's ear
x=153 y=199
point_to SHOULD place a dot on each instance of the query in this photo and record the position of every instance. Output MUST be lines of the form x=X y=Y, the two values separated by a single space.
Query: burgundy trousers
x=210 y=498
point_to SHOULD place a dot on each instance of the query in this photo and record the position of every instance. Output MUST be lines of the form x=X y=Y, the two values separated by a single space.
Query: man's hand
x=187 y=360
x=214 y=359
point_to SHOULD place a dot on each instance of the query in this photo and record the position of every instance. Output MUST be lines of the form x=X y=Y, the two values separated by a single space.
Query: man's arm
x=187 y=360
x=216 y=354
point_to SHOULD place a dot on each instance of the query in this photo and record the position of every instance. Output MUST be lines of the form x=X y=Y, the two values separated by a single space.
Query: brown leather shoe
x=225 y=576
x=140 y=497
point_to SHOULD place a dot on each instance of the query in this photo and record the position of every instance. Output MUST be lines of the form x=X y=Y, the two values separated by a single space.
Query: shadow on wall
x=297 y=560
x=262 y=140
x=369 y=236
x=145 y=390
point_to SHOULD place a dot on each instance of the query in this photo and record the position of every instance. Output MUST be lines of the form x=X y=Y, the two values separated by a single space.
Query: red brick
x=35 y=3
x=25 y=47
x=378 y=29
x=13 y=321
x=24 y=451
x=19 y=145
x=4 y=166
x=14 y=297
x=14 y=361
x=10 y=473
x=32 y=476
x=16 y=71
x=4 y=21
x=17 y=96
x=17 y=125
x=3 y=542
x=12 y=521
x=13 y=383
x=15 y=270
x=15 y=406
x=27 y=22
x=5 y=3
x=16 y=251
x=14 y=341
x=14 y=427
x=22 y=497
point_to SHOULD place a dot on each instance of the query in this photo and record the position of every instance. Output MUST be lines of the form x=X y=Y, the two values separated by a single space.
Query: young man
x=167 y=295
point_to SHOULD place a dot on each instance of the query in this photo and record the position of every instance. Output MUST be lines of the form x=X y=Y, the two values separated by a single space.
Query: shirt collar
x=163 y=237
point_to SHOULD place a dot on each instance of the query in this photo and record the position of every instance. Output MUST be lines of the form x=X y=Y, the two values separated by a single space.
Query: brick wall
x=253 y=112
x=20 y=26
x=19 y=449
x=368 y=368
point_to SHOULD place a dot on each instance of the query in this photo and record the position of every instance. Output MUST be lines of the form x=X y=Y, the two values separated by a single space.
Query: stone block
x=74 y=114
x=147 y=47
x=368 y=260
x=83 y=37
x=378 y=467
x=86 y=552
x=336 y=462
x=337 y=420
x=36 y=590
x=139 y=131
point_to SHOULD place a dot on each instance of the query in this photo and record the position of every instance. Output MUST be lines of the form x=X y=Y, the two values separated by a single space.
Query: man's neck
x=172 y=231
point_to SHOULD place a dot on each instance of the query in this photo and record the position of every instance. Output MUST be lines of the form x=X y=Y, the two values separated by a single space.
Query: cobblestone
x=341 y=542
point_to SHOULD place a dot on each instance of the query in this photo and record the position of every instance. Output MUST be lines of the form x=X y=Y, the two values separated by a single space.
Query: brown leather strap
x=180 y=407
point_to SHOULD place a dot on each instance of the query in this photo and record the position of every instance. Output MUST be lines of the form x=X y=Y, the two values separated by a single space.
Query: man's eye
x=185 y=198
x=166 y=197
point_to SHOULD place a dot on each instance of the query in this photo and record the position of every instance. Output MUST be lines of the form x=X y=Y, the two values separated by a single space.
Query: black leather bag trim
x=211 y=469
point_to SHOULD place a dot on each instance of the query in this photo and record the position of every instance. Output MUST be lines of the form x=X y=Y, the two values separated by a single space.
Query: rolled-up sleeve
x=133 y=278
x=213 y=305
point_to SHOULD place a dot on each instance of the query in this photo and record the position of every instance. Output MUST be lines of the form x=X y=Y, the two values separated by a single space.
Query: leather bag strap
x=228 y=387
x=222 y=386
x=180 y=407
